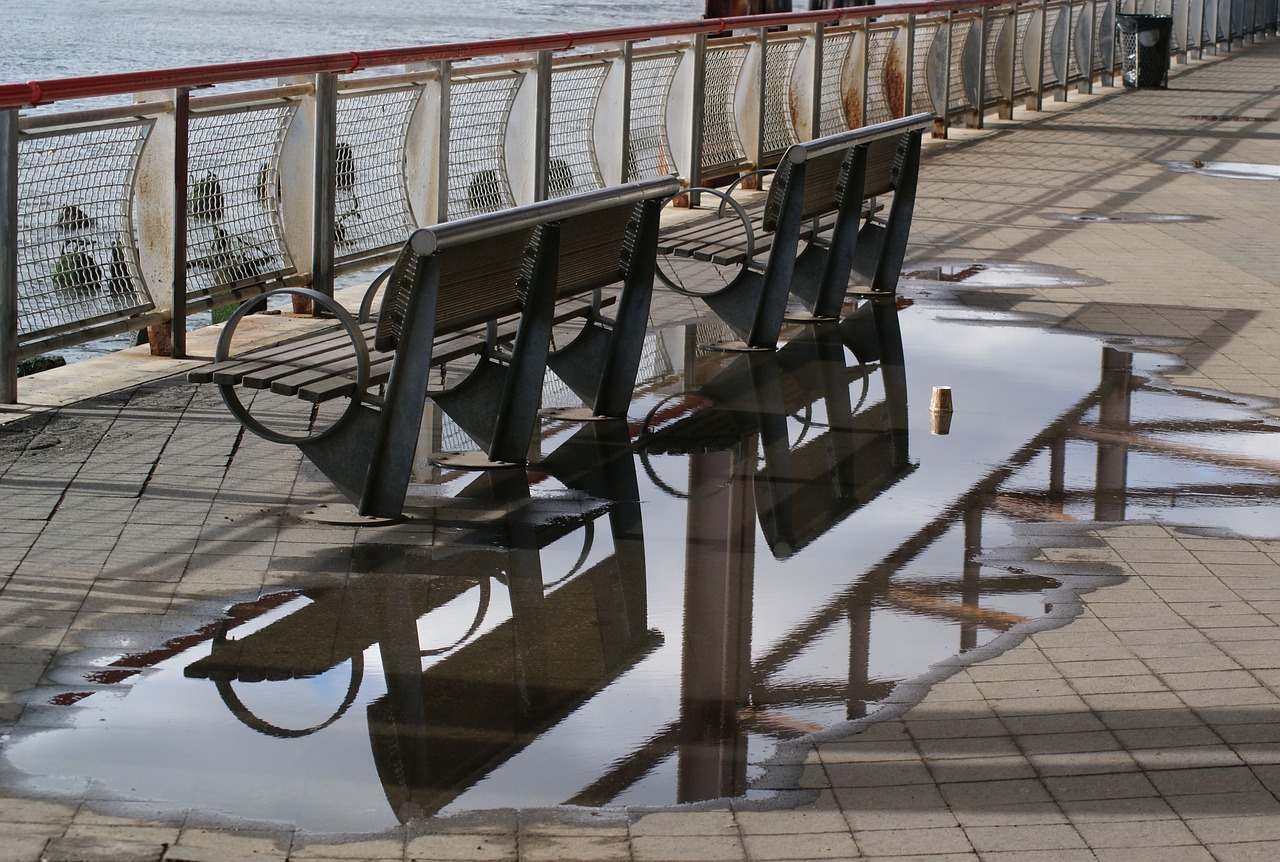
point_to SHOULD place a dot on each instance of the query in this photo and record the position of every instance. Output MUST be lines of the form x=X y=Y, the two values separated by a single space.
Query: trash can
x=1145 y=43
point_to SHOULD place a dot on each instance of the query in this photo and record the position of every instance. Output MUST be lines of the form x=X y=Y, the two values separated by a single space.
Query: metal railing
x=135 y=216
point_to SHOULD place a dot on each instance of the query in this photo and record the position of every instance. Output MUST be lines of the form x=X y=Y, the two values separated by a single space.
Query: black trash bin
x=1145 y=43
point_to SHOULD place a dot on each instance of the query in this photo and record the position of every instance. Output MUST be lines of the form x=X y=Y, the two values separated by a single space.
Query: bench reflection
x=509 y=676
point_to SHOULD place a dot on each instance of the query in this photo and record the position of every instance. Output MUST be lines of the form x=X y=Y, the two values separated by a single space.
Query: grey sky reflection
x=656 y=608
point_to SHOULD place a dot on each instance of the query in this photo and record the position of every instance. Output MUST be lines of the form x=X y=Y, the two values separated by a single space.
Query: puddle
x=1225 y=118
x=768 y=548
x=1226 y=170
x=1089 y=217
x=979 y=274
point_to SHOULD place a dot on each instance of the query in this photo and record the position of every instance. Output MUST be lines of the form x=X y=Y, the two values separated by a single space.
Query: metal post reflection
x=1113 y=453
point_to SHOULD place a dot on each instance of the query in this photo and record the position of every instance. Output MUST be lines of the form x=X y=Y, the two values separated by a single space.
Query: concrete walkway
x=1147 y=728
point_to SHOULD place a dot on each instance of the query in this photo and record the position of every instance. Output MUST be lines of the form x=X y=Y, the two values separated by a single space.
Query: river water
x=60 y=38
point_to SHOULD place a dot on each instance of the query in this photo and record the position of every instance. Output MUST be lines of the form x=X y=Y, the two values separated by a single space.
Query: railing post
x=177 y=335
x=1035 y=99
x=1108 y=76
x=698 y=111
x=762 y=82
x=542 y=126
x=819 y=64
x=161 y=224
x=940 y=123
x=1061 y=91
x=442 y=142
x=628 y=71
x=864 y=73
x=9 y=256
x=1011 y=28
x=976 y=116
x=324 y=200
x=1091 y=49
x=908 y=87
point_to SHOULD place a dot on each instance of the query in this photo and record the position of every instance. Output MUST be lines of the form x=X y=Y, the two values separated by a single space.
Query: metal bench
x=818 y=185
x=487 y=286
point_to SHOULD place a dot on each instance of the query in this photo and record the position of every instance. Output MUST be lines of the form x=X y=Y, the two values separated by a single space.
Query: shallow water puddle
x=768 y=548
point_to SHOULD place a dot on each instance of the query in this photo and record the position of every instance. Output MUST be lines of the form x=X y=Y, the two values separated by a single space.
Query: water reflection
x=768 y=549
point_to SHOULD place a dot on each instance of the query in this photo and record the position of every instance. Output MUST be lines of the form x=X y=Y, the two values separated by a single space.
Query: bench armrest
x=366 y=302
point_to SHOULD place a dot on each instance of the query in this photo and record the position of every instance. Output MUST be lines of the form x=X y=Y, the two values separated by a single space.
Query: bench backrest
x=828 y=162
x=486 y=261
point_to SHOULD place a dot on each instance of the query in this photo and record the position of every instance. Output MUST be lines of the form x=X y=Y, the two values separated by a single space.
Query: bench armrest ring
x=761 y=172
x=749 y=241
x=366 y=302
x=237 y=407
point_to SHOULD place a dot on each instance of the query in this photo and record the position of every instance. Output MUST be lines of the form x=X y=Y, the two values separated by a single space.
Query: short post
x=9 y=256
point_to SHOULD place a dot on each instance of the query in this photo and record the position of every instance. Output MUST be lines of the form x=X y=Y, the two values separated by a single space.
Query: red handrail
x=45 y=92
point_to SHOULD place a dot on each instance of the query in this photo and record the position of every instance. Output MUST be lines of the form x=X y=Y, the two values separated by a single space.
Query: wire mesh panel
x=881 y=58
x=960 y=30
x=779 y=124
x=926 y=34
x=234 y=231
x=77 y=252
x=655 y=362
x=574 y=93
x=1196 y=32
x=1178 y=36
x=1078 y=63
x=372 y=210
x=1028 y=53
x=649 y=148
x=992 y=90
x=721 y=143
x=1051 y=70
x=1109 y=49
x=836 y=49
x=478 y=112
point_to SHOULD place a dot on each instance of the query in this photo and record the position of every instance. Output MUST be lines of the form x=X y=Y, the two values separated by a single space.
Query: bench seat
x=493 y=287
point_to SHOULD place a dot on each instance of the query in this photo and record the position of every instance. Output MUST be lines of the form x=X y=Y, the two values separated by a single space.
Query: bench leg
x=898 y=229
x=344 y=457
x=497 y=405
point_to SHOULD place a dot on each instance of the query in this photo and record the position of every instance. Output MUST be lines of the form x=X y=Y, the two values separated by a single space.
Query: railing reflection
x=484 y=697
x=783 y=449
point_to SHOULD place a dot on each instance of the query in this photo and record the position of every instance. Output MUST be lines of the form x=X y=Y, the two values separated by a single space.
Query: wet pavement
x=779 y=616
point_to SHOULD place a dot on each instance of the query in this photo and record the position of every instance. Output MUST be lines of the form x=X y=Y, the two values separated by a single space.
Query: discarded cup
x=940 y=411
x=941 y=402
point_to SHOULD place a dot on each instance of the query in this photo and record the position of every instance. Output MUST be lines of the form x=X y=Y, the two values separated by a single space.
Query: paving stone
x=687 y=848
x=101 y=848
x=1024 y=837
x=919 y=841
x=574 y=848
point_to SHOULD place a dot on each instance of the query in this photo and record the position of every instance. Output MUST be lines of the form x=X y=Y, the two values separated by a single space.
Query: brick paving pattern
x=1145 y=729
